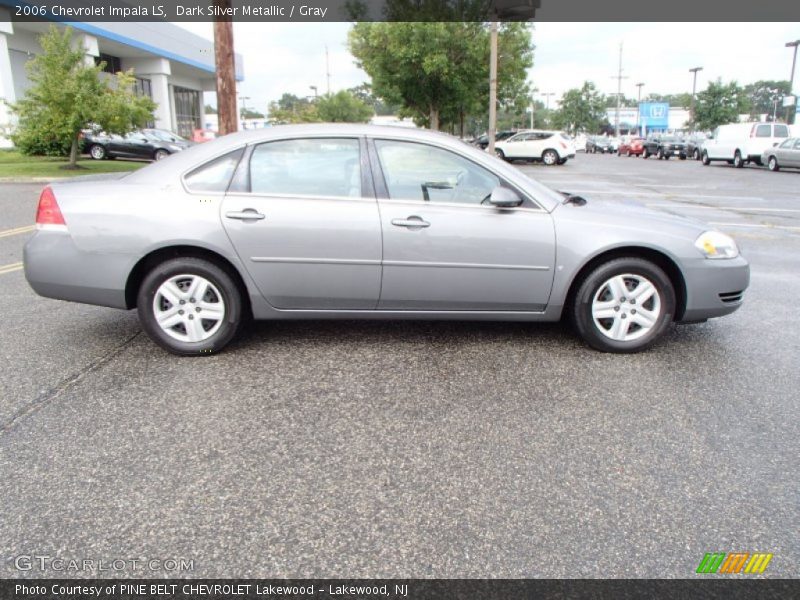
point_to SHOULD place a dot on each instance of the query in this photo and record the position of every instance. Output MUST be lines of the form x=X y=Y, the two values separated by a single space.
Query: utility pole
x=225 y=72
x=694 y=89
x=547 y=99
x=638 y=108
x=328 y=69
x=492 y=84
x=619 y=77
x=533 y=103
x=243 y=100
x=794 y=45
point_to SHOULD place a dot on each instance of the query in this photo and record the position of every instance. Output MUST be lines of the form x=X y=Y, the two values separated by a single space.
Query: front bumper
x=714 y=288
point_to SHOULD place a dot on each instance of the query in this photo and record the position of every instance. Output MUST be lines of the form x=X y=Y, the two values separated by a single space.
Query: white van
x=740 y=143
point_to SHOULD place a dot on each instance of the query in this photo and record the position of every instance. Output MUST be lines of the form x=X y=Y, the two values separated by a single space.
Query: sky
x=290 y=57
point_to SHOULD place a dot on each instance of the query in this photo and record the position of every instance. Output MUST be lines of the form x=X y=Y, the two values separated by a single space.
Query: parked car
x=740 y=143
x=580 y=142
x=664 y=146
x=359 y=221
x=632 y=147
x=482 y=141
x=694 y=145
x=549 y=147
x=151 y=144
x=598 y=143
x=783 y=155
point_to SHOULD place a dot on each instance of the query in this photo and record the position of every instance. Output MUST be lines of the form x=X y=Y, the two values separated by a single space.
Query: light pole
x=492 y=84
x=243 y=100
x=638 y=108
x=694 y=89
x=533 y=103
x=547 y=99
x=313 y=87
x=794 y=45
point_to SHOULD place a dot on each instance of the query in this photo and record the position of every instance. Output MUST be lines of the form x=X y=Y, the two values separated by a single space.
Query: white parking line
x=753 y=226
x=10 y=268
x=695 y=207
x=17 y=230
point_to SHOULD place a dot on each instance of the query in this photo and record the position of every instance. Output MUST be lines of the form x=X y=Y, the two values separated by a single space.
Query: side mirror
x=503 y=197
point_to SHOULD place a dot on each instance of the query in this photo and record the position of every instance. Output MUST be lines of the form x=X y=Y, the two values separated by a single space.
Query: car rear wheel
x=499 y=154
x=629 y=154
x=624 y=305
x=696 y=154
x=550 y=157
x=738 y=161
x=189 y=306
x=660 y=154
x=645 y=154
x=160 y=154
x=772 y=164
x=97 y=152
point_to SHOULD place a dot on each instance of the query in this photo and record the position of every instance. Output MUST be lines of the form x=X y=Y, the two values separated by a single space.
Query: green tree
x=364 y=93
x=682 y=100
x=763 y=94
x=68 y=95
x=343 y=107
x=581 y=109
x=718 y=104
x=210 y=110
x=249 y=113
x=439 y=72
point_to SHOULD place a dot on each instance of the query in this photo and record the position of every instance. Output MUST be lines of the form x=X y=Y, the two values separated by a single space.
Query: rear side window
x=781 y=131
x=307 y=167
x=215 y=175
x=797 y=144
x=763 y=131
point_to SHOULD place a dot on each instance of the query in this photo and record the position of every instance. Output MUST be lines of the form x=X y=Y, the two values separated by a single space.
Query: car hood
x=631 y=214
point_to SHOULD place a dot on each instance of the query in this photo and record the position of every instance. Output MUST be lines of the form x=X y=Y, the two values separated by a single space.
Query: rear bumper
x=56 y=268
x=714 y=287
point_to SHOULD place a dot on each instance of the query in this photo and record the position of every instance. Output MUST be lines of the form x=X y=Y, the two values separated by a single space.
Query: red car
x=633 y=147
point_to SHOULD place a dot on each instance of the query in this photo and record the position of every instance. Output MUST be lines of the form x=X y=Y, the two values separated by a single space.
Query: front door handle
x=412 y=222
x=248 y=214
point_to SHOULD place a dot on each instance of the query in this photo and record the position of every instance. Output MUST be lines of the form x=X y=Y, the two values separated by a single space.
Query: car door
x=517 y=145
x=139 y=145
x=444 y=247
x=794 y=154
x=304 y=220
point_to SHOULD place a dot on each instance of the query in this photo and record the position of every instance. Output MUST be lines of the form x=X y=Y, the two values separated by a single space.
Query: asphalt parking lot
x=380 y=449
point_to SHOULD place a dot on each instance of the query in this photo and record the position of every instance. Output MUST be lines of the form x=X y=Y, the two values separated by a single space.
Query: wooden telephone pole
x=226 y=72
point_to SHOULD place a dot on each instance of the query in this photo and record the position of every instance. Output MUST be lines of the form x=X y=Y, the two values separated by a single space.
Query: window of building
x=112 y=63
x=187 y=111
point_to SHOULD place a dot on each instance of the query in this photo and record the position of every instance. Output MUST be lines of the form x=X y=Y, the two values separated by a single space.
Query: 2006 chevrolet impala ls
x=327 y=221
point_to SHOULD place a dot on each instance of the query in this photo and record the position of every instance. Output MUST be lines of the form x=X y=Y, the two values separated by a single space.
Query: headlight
x=715 y=244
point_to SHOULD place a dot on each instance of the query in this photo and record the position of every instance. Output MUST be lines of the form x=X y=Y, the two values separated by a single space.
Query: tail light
x=48 y=213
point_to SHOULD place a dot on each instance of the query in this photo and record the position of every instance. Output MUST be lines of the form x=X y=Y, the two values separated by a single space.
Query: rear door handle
x=248 y=214
x=412 y=222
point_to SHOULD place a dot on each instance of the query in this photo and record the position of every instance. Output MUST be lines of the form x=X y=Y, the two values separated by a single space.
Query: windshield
x=164 y=136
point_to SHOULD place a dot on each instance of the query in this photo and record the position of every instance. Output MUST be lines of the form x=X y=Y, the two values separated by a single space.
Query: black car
x=694 y=145
x=482 y=141
x=150 y=144
x=598 y=143
x=664 y=146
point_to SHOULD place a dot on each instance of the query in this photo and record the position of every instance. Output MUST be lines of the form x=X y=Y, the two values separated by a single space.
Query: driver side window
x=420 y=172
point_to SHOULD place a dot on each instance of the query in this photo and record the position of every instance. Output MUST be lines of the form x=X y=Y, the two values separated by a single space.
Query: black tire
x=682 y=156
x=772 y=164
x=98 y=152
x=704 y=159
x=660 y=154
x=160 y=154
x=666 y=157
x=581 y=306
x=696 y=154
x=645 y=153
x=231 y=296
x=550 y=157
x=629 y=154
x=738 y=161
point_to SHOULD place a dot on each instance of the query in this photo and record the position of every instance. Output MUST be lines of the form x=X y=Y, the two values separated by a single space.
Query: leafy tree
x=343 y=107
x=364 y=93
x=581 y=109
x=763 y=94
x=304 y=112
x=718 y=104
x=682 y=100
x=68 y=95
x=249 y=113
x=439 y=72
x=210 y=110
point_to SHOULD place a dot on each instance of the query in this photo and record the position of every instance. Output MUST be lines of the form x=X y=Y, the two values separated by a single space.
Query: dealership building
x=172 y=66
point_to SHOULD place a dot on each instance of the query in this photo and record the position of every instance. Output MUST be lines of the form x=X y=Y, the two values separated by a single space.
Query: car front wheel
x=97 y=152
x=189 y=306
x=772 y=164
x=624 y=305
x=738 y=161
x=160 y=154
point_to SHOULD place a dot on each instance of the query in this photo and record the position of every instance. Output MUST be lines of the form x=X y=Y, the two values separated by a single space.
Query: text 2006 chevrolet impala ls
x=343 y=222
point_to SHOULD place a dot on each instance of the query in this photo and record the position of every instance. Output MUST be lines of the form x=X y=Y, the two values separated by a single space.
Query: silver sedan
x=344 y=222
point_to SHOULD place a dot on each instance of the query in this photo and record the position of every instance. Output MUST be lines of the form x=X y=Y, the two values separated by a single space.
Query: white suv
x=740 y=143
x=550 y=147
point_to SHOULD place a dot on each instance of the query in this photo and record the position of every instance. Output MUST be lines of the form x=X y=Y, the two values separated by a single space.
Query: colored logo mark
x=734 y=562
